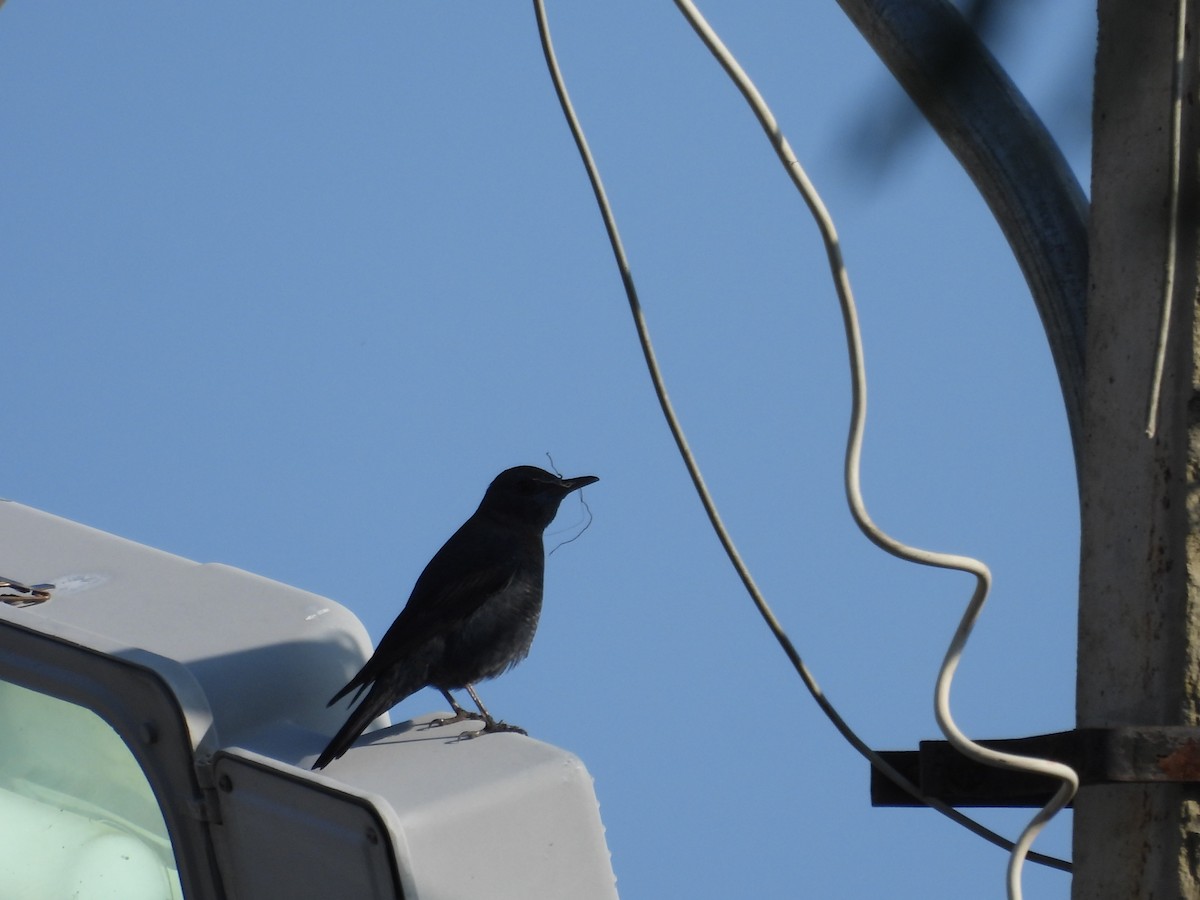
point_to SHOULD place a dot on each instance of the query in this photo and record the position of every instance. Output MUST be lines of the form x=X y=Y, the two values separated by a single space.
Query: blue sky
x=286 y=285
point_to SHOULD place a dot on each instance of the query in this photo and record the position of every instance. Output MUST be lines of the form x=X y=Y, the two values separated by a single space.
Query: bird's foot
x=491 y=726
x=460 y=716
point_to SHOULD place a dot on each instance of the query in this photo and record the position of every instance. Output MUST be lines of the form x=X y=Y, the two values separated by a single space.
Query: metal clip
x=1123 y=754
x=14 y=593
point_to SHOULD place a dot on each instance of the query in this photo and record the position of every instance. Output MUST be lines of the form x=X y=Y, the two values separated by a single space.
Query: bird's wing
x=440 y=610
x=469 y=569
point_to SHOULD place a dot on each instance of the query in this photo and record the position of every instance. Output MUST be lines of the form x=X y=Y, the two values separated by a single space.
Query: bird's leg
x=459 y=713
x=490 y=724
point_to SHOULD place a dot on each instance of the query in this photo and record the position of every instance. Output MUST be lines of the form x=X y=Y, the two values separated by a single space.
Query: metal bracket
x=14 y=593
x=1120 y=755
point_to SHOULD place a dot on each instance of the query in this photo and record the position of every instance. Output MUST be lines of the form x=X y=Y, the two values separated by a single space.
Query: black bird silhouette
x=473 y=611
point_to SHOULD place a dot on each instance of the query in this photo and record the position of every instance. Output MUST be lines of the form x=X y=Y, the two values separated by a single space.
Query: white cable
x=1070 y=781
x=1168 y=297
x=693 y=468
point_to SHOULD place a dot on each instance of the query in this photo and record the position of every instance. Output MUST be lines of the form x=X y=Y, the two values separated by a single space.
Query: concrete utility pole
x=1139 y=603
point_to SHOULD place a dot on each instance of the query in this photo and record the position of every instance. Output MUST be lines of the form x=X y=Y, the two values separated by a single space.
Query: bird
x=472 y=612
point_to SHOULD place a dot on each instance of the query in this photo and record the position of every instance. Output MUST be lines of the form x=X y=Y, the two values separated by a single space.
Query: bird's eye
x=528 y=486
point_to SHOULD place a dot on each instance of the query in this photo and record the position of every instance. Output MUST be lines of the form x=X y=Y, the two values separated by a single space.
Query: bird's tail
x=382 y=697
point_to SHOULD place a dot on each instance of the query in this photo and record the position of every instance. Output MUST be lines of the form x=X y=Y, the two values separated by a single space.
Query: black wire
x=660 y=390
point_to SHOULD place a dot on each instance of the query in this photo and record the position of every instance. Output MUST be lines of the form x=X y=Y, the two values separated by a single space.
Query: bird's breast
x=494 y=637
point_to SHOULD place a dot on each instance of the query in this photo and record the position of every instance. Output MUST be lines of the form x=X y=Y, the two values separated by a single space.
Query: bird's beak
x=574 y=484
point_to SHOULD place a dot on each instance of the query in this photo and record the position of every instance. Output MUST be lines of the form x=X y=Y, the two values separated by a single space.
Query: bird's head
x=529 y=495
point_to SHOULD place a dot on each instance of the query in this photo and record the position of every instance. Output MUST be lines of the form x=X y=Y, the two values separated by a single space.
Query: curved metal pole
x=980 y=115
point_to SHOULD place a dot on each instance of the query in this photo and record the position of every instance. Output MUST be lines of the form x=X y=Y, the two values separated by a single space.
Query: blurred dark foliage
x=887 y=128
